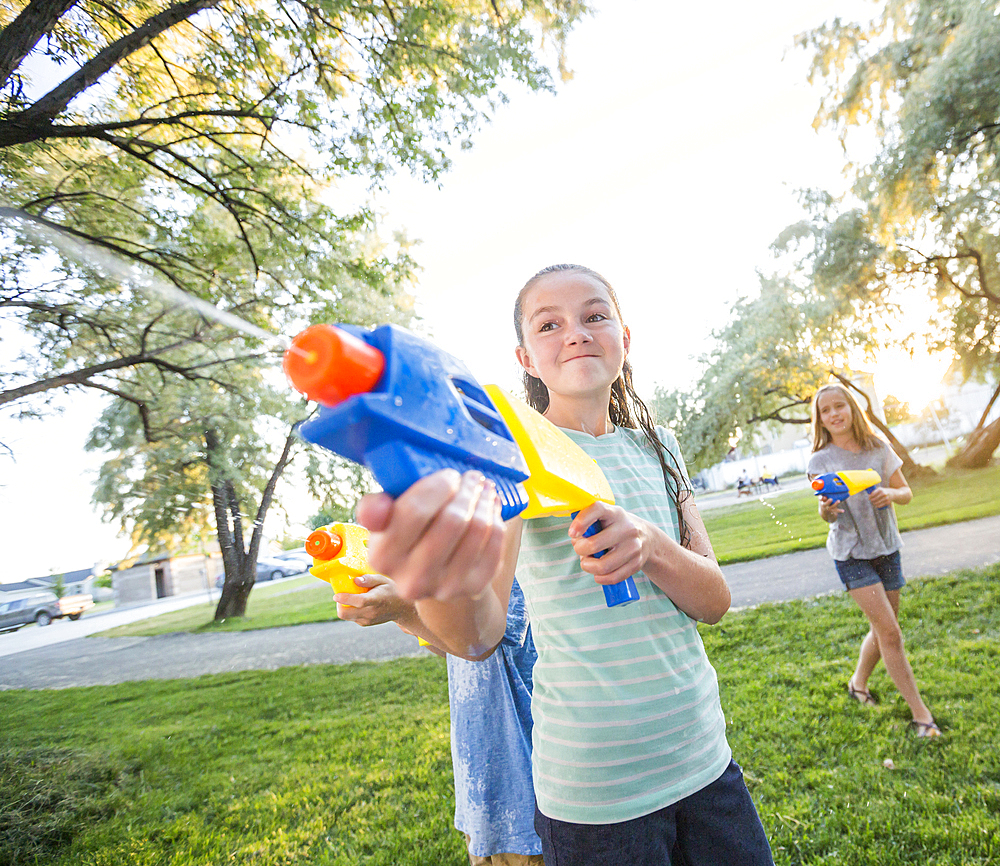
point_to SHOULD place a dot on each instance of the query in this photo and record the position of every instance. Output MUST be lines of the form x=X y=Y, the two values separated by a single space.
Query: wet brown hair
x=626 y=408
x=861 y=429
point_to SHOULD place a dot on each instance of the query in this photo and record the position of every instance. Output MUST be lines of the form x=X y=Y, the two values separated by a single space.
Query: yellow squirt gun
x=340 y=553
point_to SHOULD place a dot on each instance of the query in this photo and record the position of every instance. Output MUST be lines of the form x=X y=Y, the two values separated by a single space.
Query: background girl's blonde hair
x=861 y=428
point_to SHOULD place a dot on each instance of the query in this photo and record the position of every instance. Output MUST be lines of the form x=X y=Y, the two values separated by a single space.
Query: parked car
x=41 y=607
x=295 y=557
x=271 y=568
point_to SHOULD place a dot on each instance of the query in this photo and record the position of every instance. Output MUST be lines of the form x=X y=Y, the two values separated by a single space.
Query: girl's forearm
x=694 y=583
x=900 y=495
x=470 y=628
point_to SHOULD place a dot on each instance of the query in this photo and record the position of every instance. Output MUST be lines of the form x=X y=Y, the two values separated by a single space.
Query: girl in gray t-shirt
x=864 y=542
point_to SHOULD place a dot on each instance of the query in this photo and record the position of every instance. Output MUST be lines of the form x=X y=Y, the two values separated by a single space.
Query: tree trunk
x=240 y=564
x=911 y=469
x=240 y=569
x=235 y=595
x=978 y=451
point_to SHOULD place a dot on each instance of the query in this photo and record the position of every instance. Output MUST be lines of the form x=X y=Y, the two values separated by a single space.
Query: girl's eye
x=596 y=317
x=546 y=326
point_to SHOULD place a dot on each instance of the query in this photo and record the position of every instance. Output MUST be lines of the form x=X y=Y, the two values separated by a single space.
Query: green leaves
x=194 y=145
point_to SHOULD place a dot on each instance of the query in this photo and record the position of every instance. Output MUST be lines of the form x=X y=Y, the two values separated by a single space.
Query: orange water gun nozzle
x=328 y=365
x=817 y=484
x=323 y=544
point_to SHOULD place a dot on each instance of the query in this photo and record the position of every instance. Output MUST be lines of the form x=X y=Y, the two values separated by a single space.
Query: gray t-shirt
x=862 y=531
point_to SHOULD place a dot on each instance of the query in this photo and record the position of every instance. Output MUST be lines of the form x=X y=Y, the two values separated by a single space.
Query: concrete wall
x=161 y=578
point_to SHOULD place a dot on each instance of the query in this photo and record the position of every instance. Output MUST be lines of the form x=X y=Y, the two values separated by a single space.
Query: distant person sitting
x=744 y=486
x=768 y=479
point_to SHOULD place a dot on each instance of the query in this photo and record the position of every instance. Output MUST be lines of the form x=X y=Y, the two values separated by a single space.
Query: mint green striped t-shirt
x=625 y=706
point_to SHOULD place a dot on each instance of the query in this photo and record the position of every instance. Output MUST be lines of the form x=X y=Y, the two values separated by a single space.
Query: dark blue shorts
x=716 y=826
x=858 y=573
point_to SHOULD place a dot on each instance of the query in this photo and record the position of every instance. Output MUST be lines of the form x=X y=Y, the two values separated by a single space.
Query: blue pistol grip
x=426 y=412
x=617 y=593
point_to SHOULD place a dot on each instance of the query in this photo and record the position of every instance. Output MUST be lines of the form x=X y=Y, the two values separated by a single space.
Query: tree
x=761 y=369
x=776 y=351
x=200 y=142
x=926 y=75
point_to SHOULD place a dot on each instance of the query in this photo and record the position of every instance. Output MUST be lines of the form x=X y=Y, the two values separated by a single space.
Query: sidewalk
x=34 y=637
x=104 y=661
x=925 y=553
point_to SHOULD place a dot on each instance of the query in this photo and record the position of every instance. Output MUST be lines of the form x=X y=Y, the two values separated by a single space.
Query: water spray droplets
x=90 y=255
x=773 y=514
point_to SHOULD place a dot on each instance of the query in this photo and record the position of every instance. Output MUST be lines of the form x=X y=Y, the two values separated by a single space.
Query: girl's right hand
x=441 y=539
x=829 y=509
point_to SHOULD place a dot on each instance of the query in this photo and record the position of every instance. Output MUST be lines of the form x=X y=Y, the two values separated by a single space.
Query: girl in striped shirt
x=629 y=755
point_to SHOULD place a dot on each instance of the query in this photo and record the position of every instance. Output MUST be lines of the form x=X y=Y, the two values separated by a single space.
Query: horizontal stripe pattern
x=626 y=706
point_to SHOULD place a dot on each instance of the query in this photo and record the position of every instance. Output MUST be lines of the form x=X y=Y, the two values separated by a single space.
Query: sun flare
x=914 y=380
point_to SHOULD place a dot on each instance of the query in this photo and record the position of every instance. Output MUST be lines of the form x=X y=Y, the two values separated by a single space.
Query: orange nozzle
x=323 y=544
x=328 y=364
x=817 y=484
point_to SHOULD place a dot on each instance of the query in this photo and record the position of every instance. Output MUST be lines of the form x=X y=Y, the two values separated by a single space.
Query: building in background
x=154 y=576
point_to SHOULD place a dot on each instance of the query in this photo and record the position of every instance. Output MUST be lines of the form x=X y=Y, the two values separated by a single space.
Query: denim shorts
x=858 y=573
x=716 y=826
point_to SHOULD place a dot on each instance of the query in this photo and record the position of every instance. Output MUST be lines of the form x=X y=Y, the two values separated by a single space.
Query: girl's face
x=834 y=413
x=573 y=339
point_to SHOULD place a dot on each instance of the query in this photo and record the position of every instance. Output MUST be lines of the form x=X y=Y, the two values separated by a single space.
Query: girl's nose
x=579 y=334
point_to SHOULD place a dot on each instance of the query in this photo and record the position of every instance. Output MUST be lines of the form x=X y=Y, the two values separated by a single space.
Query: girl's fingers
x=453 y=552
x=620 y=535
x=395 y=533
x=436 y=540
x=373 y=511
x=474 y=562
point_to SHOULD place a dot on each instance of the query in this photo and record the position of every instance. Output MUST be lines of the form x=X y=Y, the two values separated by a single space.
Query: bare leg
x=870 y=653
x=888 y=639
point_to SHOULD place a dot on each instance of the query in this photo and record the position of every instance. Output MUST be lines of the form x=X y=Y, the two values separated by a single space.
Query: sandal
x=925 y=730
x=862 y=696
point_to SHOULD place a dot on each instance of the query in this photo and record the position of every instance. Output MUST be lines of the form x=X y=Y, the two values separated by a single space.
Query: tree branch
x=36 y=121
x=23 y=33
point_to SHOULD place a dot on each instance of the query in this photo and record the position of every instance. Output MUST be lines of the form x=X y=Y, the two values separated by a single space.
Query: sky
x=668 y=163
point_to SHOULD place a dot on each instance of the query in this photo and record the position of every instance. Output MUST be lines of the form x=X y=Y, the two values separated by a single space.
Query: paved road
x=86 y=661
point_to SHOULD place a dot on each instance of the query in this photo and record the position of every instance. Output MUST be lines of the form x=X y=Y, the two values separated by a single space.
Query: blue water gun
x=404 y=408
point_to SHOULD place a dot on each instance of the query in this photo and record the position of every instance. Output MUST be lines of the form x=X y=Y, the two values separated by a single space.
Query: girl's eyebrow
x=552 y=308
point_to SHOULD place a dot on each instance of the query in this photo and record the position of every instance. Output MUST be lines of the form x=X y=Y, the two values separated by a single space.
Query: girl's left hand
x=380 y=604
x=625 y=537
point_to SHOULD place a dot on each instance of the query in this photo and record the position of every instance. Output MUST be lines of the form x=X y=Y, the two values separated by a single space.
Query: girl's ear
x=525 y=361
x=627 y=340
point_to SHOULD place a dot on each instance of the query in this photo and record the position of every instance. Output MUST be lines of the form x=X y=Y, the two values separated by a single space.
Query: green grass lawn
x=293 y=601
x=789 y=521
x=350 y=764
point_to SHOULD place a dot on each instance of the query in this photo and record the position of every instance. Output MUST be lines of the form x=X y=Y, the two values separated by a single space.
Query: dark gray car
x=41 y=607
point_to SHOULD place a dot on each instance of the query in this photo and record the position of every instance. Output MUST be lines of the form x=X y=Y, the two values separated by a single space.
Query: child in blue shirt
x=490 y=704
